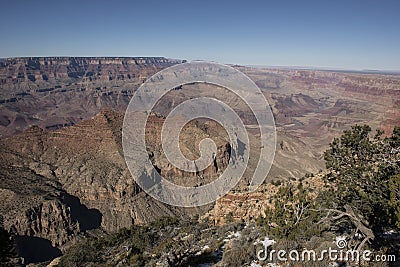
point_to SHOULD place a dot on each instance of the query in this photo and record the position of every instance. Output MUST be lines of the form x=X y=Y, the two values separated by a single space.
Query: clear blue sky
x=339 y=34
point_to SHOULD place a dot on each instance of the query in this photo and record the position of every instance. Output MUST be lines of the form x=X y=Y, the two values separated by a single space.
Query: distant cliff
x=37 y=69
x=52 y=92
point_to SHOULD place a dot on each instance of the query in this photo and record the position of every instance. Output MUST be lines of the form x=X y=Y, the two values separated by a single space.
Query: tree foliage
x=360 y=169
x=394 y=202
x=294 y=215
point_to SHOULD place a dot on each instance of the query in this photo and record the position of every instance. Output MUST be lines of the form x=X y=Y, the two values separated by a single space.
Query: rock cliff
x=53 y=92
x=60 y=183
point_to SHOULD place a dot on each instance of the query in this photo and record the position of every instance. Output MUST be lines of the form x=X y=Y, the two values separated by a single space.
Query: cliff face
x=17 y=71
x=190 y=137
x=57 y=91
x=74 y=179
x=346 y=97
x=37 y=208
x=49 y=220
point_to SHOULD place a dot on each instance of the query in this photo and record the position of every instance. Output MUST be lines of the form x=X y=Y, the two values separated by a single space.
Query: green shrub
x=394 y=201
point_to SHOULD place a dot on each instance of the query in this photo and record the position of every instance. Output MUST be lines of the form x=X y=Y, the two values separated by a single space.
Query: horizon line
x=296 y=67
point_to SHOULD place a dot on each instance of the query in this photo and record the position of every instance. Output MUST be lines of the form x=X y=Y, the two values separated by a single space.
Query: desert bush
x=85 y=252
x=238 y=254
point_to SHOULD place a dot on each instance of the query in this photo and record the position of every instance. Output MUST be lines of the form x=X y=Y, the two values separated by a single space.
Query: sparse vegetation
x=91 y=251
x=361 y=197
x=182 y=243
x=294 y=216
x=394 y=202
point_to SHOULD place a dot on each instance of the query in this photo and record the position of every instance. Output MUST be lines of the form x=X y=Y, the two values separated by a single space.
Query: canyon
x=63 y=175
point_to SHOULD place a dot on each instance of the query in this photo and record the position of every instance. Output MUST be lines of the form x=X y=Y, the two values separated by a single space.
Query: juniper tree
x=360 y=169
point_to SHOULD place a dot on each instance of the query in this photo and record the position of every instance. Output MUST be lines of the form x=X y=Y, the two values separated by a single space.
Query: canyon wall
x=53 y=92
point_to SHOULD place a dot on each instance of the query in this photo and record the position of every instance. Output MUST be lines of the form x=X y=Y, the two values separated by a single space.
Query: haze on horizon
x=336 y=34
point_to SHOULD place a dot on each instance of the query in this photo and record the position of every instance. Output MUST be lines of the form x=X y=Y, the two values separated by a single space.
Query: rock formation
x=57 y=184
x=53 y=92
x=62 y=171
